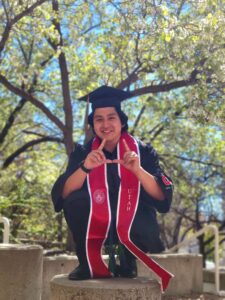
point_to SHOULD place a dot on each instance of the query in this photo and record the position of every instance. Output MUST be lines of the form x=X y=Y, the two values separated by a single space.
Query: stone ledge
x=187 y=269
x=104 y=289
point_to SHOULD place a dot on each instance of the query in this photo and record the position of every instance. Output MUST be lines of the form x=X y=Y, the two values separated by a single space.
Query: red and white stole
x=100 y=215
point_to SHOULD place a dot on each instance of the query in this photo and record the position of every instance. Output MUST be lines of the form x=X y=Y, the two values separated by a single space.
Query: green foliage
x=25 y=188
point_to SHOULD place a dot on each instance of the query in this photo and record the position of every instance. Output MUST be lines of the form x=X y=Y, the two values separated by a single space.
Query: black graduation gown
x=144 y=231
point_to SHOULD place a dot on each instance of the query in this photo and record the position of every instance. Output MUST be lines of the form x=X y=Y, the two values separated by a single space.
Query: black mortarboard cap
x=106 y=96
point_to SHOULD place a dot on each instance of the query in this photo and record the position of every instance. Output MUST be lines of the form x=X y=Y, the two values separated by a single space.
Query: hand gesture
x=130 y=159
x=96 y=157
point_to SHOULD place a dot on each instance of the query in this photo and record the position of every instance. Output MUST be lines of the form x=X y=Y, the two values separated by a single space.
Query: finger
x=127 y=160
x=128 y=155
x=125 y=145
x=102 y=144
x=130 y=160
x=100 y=153
x=94 y=159
x=117 y=161
x=98 y=156
x=108 y=161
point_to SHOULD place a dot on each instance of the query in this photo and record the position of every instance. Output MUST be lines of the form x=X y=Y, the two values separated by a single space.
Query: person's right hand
x=96 y=157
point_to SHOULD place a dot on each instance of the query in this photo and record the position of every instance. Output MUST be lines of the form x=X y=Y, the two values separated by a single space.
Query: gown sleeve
x=150 y=162
x=75 y=158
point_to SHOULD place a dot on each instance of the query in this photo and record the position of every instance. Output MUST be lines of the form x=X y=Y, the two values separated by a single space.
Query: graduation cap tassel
x=87 y=130
x=86 y=115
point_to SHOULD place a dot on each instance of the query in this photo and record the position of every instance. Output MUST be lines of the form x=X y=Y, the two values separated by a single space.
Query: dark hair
x=123 y=118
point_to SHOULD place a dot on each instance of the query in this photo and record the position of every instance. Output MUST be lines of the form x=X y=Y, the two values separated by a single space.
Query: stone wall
x=187 y=269
x=20 y=272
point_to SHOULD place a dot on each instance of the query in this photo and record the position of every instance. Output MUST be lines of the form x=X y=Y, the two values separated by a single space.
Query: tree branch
x=91 y=28
x=10 y=23
x=132 y=77
x=180 y=7
x=165 y=87
x=11 y=120
x=182 y=213
x=65 y=85
x=154 y=128
x=33 y=100
x=161 y=126
x=33 y=133
x=5 y=10
x=138 y=119
x=28 y=145
x=27 y=58
x=193 y=160
x=21 y=103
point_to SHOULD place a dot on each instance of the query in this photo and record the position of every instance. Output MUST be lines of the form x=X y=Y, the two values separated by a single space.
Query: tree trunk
x=200 y=238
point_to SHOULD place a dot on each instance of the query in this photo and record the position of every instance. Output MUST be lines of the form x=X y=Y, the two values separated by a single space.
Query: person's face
x=107 y=124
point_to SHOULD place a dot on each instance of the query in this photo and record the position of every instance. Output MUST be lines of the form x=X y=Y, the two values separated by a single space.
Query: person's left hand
x=130 y=159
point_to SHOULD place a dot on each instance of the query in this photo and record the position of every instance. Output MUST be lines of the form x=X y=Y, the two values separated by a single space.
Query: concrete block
x=187 y=269
x=209 y=277
x=104 y=289
x=20 y=272
x=53 y=265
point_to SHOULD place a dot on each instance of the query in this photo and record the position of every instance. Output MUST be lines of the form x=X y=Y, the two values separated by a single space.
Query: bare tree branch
x=138 y=118
x=180 y=7
x=27 y=58
x=11 y=119
x=165 y=87
x=182 y=212
x=132 y=77
x=91 y=28
x=28 y=145
x=33 y=100
x=5 y=10
x=33 y=133
x=21 y=103
x=154 y=128
x=193 y=160
x=161 y=128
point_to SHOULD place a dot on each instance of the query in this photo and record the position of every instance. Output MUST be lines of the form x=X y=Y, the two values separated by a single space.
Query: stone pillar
x=20 y=272
x=55 y=265
x=104 y=289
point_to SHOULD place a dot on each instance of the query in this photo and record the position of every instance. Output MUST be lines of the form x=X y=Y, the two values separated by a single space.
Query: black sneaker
x=79 y=273
x=129 y=271
x=128 y=265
